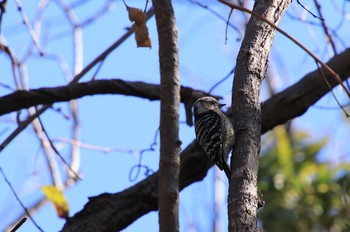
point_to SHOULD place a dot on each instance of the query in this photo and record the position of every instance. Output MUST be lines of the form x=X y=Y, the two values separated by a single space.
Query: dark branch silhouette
x=23 y=99
x=114 y=212
x=310 y=88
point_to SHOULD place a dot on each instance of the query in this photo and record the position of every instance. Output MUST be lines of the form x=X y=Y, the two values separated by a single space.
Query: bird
x=214 y=131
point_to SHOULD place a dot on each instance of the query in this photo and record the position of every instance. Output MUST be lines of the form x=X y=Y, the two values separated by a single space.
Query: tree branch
x=23 y=99
x=296 y=99
x=169 y=162
x=251 y=65
x=304 y=93
x=309 y=89
x=115 y=212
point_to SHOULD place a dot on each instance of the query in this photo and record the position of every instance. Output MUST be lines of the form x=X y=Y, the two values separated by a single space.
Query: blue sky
x=128 y=122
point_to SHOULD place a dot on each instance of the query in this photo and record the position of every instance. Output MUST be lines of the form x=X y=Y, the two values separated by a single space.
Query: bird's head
x=206 y=104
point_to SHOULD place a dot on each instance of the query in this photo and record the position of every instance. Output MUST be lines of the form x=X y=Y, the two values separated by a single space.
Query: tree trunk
x=249 y=73
x=169 y=164
x=108 y=212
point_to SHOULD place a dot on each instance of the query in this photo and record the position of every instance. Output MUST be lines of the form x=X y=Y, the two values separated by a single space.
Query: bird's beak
x=221 y=105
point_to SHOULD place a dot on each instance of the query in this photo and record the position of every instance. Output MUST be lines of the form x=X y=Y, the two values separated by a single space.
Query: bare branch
x=53 y=147
x=73 y=105
x=5 y=48
x=325 y=28
x=116 y=211
x=313 y=15
x=139 y=165
x=19 y=224
x=100 y=58
x=218 y=15
x=45 y=144
x=296 y=99
x=309 y=88
x=30 y=28
x=19 y=200
x=330 y=87
x=22 y=126
x=40 y=203
x=95 y=147
x=334 y=74
x=24 y=99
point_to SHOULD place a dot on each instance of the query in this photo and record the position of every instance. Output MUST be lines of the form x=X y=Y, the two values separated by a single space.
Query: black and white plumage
x=214 y=131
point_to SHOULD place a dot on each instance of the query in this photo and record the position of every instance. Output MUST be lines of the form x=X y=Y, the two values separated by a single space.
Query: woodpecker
x=214 y=131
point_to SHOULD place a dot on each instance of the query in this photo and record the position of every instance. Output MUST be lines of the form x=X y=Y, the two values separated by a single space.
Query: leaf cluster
x=302 y=194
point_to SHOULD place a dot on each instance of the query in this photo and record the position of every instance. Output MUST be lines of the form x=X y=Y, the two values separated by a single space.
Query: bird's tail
x=227 y=170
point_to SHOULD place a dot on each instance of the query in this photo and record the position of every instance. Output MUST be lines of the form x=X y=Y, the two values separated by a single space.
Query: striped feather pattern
x=208 y=129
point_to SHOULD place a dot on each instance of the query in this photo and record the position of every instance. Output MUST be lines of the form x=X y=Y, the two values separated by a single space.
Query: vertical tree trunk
x=169 y=164
x=250 y=70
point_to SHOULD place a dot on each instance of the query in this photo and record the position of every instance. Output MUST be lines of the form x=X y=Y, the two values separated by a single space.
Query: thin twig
x=222 y=80
x=51 y=161
x=19 y=200
x=60 y=112
x=97 y=70
x=19 y=224
x=39 y=203
x=95 y=147
x=320 y=107
x=334 y=74
x=227 y=22
x=2 y=11
x=30 y=28
x=315 y=16
x=56 y=151
x=22 y=126
x=217 y=15
x=107 y=7
x=75 y=150
x=7 y=86
x=138 y=166
x=325 y=28
x=14 y=62
x=74 y=165
x=145 y=6
x=103 y=55
x=330 y=87
x=302 y=19
x=98 y=59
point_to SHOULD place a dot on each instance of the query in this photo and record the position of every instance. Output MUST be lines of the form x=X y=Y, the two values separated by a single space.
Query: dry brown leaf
x=136 y=15
x=139 y=27
x=141 y=36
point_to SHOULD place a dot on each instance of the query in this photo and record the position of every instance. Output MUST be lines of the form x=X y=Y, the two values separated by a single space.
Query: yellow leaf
x=57 y=198
x=284 y=150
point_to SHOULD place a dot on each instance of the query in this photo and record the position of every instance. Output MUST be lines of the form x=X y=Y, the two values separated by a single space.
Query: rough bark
x=296 y=98
x=114 y=211
x=108 y=212
x=249 y=73
x=169 y=164
x=23 y=99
